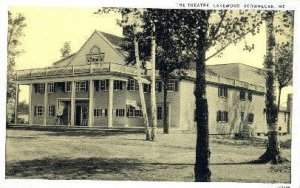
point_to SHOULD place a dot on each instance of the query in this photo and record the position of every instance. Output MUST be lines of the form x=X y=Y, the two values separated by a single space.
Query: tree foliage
x=16 y=24
x=65 y=50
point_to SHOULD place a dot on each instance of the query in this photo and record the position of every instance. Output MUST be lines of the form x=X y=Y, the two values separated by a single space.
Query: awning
x=133 y=104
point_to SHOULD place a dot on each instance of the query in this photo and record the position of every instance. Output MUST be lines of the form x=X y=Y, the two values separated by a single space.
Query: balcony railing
x=119 y=68
x=76 y=70
x=228 y=81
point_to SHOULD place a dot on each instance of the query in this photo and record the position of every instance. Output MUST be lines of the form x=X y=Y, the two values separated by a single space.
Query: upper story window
x=68 y=86
x=103 y=85
x=81 y=86
x=146 y=88
x=39 y=88
x=223 y=91
x=172 y=85
x=51 y=88
x=118 y=85
x=158 y=86
x=249 y=96
x=95 y=55
x=242 y=95
x=133 y=85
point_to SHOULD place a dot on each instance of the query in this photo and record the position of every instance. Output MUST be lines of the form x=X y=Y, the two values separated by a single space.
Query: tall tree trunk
x=279 y=97
x=272 y=153
x=201 y=170
x=141 y=92
x=153 y=84
x=166 y=108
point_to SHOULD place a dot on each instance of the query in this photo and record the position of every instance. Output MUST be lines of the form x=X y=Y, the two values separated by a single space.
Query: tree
x=170 y=59
x=193 y=33
x=65 y=50
x=273 y=153
x=284 y=51
x=209 y=29
x=23 y=107
x=284 y=67
x=16 y=25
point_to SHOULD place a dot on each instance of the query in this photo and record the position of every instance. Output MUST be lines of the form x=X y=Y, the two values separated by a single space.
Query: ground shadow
x=80 y=168
x=65 y=131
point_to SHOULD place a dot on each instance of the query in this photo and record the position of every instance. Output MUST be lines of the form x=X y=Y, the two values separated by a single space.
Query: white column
x=16 y=103
x=73 y=103
x=91 y=103
x=45 y=103
x=110 y=103
x=30 y=105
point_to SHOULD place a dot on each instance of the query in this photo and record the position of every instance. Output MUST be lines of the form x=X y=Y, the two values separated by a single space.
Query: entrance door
x=81 y=116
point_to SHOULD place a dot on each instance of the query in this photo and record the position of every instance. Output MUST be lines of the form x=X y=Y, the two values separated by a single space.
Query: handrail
x=120 y=68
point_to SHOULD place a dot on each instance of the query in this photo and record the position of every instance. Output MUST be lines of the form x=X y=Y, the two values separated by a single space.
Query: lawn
x=77 y=154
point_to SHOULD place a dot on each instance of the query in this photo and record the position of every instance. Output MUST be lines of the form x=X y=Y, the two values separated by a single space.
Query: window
x=100 y=112
x=51 y=112
x=279 y=128
x=222 y=116
x=250 y=96
x=133 y=85
x=159 y=113
x=40 y=88
x=95 y=58
x=242 y=95
x=242 y=116
x=51 y=88
x=146 y=88
x=250 y=118
x=158 y=86
x=118 y=85
x=223 y=92
x=172 y=85
x=68 y=86
x=120 y=112
x=81 y=86
x=134 y=111
x=103 y=85
x=38 y=110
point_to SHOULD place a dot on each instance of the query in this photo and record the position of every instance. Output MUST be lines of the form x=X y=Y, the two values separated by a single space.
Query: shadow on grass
x=87 y=133
x=67 y=131
x=81 y=168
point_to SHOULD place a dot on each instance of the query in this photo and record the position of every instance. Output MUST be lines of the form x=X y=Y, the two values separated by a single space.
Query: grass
x=126 y=156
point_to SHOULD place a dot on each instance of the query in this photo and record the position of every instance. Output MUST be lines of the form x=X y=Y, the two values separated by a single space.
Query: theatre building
x=94 y=87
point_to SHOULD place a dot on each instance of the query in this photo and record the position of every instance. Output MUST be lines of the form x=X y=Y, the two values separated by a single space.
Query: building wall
x=182 y=108
x=232 y=104
x=283 y=119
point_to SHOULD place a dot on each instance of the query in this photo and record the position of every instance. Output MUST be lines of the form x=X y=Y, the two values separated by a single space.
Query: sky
x=49 y=27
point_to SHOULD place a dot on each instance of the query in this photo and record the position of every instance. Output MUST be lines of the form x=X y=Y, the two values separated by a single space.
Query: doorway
x=81 y=113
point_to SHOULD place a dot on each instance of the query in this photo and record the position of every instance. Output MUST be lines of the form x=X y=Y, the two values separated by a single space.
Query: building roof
x=239 y=71
x=113 y=39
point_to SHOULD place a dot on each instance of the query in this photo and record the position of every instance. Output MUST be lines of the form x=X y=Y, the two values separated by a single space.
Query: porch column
x=110 y=103
x=91 y=103
x=45 y=103
x=30 y=105
x=73 y=103
x=16 y=104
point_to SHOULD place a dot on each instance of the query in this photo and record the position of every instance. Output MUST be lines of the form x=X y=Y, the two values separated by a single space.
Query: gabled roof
x=114 y=42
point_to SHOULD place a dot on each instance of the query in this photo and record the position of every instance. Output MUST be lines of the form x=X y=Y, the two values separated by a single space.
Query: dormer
x=95 y=56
